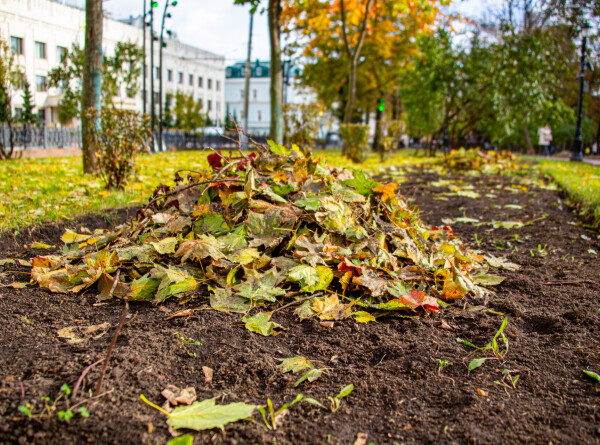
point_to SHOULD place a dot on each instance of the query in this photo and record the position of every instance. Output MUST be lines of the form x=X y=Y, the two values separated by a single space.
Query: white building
x=40 y=31
x=259 y=100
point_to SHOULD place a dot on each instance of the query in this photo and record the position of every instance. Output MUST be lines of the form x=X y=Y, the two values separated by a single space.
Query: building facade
x=39 y=32
x=259 y=100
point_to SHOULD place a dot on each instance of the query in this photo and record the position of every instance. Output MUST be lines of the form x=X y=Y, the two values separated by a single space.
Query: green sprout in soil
x=508 y=380
x=442 y=364
x=335 y=401
x=272 y=417
x=592 y=375
x=50 y=407
x=492 y=348
x=184 y=342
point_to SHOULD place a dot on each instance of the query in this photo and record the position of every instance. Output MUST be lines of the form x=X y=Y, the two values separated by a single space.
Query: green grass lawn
x=33 y=191
x=580 y=181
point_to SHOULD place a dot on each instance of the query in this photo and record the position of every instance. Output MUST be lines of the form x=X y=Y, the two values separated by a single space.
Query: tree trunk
x=248 y=73
x=353 y=57
x=528 y=144
x=91 y=94
x=276 y=71
x=351 y=93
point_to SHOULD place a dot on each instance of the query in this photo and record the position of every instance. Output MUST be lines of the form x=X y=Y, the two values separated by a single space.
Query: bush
x=117 y=137
x=355 y=138
x=301 y=123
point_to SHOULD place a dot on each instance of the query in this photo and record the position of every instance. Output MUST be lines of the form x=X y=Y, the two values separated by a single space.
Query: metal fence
x=194 y=141
x=38 y=137
x=41 y=137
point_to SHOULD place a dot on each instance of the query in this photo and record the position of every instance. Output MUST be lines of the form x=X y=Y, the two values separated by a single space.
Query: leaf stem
x=145 y=400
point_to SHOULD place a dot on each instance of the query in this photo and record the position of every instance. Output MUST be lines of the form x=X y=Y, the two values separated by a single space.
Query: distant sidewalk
x=50 y=152
x=593 y=159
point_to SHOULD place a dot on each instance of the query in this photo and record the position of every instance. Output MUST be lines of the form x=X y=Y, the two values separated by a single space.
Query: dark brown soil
x=399 y=396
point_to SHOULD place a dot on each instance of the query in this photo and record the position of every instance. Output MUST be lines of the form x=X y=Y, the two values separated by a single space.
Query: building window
x=191 y=80
x=170 y=75
x=180 y=77
x=209 y=103
x=40 y=50
x=42 y=117
x=241 y=94
x=218 y=105
x=201 y=103
x=41 y=84
x=218 y=85
x=228 y=72
x=258 y=71
x=199 y=81
x=61 y=86
x=61 y=54
x=157 y=72
x=209 y=84
x=254 y=93
x=16 y=45
x=259 y=116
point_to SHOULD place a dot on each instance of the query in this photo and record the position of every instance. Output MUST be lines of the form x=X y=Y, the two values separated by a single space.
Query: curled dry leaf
x=208 y=374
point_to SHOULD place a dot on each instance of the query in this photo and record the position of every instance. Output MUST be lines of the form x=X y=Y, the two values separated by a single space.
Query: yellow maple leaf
x=387 y=191
x=330 y=308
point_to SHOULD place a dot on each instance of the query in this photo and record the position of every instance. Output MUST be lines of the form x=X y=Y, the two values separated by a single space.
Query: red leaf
x=215 y=160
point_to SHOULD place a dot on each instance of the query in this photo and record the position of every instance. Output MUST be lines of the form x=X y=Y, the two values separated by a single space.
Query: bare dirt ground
x=553 y=331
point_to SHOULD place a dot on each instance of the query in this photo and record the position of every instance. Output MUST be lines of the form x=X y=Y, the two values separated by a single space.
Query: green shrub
x=355 y=138
x=117 y=137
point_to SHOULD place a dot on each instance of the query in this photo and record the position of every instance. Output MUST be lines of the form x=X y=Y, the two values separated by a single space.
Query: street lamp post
x=578 y=142
x=153 y=4
x=160 y=74
x=144 y=59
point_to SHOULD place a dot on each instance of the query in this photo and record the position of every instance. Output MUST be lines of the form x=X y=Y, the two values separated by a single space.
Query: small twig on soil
x=298 y=301
x=82 y=376
x=114 y=285
x=111 y=347
x=22 y=391
x=558 y=283
x=189 y=186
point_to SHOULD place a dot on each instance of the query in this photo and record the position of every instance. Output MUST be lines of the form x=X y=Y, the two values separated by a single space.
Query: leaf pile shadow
x=268 y=227
x=476 y=159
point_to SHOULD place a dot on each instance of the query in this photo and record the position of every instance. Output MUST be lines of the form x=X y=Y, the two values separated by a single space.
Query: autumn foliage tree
x=345 y=37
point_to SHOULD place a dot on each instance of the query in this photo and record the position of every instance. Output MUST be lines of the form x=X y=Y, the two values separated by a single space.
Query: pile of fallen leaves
x=271 y=228
x=481 y=160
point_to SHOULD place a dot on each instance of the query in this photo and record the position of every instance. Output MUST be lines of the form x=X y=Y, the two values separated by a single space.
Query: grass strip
x=581 y=183
x=33 y=191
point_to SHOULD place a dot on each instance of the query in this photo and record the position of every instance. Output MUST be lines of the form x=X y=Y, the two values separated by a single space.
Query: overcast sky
x=221 y=27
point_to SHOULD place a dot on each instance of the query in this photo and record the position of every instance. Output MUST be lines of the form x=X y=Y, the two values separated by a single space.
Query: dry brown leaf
x=361 y=439
x=208 y=374
x=330 y=308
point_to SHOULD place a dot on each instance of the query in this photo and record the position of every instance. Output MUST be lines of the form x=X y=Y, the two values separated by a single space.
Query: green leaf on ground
x=476 y=363
x=592 y=375
x=361 y=183
x=206 y=414
x=260 y=324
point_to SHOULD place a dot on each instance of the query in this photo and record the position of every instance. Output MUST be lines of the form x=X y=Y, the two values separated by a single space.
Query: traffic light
x=154 y=4
x=381 y=105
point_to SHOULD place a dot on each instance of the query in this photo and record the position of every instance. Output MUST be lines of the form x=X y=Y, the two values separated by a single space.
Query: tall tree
x=275 y=10
x=335 y=33
x=8 y=79
x=91 y=95
x=274 y=13
x=121 y=70
x=28 y=117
